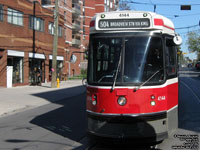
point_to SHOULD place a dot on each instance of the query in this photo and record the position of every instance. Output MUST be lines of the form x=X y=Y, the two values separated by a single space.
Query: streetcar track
x=91 y=146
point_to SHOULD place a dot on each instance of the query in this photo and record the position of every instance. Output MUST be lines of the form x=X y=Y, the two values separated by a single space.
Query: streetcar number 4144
x=161 y=98
x=124 y=15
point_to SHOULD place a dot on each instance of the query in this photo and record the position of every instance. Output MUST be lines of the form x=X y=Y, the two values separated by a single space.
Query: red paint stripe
x=159 y=22
x=168 y=27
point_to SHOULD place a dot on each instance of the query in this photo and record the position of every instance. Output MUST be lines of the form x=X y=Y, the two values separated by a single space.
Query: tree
x=193 y=42
x=124 y=6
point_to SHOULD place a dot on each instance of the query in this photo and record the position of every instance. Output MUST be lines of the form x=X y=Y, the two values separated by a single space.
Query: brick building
x=72 y=12
x=91 y=7
x=26 y=38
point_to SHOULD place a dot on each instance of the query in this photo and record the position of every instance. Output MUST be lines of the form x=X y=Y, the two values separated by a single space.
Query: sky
x=188 y=19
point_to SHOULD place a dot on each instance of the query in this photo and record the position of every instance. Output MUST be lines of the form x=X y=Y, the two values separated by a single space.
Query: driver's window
x=170 y=57
x=107 y=53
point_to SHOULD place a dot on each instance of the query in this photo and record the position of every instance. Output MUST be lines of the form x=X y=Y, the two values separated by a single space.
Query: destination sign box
x=123 y=23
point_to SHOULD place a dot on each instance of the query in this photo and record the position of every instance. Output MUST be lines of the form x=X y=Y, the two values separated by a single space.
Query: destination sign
x=123 y=23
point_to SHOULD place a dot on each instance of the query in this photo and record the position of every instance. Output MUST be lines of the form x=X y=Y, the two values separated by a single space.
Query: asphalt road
x=56 y=126
x=62 y=125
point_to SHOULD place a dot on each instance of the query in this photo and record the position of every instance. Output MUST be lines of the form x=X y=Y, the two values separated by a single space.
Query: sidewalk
x=21 y=98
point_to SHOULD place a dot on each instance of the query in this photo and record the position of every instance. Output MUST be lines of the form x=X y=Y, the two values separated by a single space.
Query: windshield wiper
x=116 y=73
x=147 y=80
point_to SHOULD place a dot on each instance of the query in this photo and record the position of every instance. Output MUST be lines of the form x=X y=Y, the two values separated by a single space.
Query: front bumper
x=149 y=127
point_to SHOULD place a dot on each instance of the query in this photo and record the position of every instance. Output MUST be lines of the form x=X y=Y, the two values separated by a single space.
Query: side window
x=170 y=57
x=1 y=13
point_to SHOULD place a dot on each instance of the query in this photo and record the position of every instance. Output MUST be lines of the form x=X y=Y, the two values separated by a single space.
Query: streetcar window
x=143 y=57
x=105 y=58
x=170 y=57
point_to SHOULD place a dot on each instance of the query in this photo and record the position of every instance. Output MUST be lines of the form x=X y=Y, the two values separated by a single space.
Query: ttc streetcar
x=132 y=89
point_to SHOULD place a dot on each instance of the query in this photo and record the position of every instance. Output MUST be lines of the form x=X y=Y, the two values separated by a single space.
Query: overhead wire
x=161 y=4
x=187 y=27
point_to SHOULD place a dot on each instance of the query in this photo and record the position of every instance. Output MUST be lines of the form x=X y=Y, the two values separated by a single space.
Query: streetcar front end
x=132 y=89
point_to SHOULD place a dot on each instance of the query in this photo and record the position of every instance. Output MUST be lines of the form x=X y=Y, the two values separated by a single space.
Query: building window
x=36 y=23
x=1 y=13
x=60 y=31
x=46 y=2
x=65 y=15
x=15 y=17
x=51 y=29
x=108 y=2
x=111 y=5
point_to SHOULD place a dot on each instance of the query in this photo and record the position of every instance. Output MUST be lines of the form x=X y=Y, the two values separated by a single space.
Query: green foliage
x=84 y=72
x=193 y=42
x=124 y=6
x=81 y=76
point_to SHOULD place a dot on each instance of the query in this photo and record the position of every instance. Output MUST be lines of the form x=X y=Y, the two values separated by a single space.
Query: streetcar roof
x=131 y=20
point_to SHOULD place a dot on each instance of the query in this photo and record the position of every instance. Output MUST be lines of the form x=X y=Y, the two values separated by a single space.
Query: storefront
x=36 y=68
x=15 y=63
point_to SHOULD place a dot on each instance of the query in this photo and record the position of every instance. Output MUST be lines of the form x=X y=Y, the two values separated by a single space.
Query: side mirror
x=73 y=58
x=177 y=40
x=84 y=82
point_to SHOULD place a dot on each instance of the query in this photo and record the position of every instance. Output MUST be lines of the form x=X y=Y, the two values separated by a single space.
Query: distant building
x=26 y=38
x=91 y=7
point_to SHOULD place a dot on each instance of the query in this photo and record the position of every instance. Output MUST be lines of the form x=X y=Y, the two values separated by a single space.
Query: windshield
x=141 y=57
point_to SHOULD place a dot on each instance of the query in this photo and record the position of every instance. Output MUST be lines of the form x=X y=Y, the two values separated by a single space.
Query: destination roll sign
x=123 y=23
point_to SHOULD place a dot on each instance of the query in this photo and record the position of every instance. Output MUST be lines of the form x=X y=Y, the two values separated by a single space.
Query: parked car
x=197 y=65
x=190 y=65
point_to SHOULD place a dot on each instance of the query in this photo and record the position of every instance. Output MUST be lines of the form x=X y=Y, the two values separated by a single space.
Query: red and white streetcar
x=132 y=89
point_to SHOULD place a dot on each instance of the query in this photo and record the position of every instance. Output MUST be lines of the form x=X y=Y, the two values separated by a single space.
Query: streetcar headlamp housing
x=122 y=101
x=103 y=15
x=94 y=100
x=153 y=103
x=145 y=15
x=153 y=97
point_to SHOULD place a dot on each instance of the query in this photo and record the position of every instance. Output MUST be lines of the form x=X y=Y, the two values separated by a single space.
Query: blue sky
x=184 y=18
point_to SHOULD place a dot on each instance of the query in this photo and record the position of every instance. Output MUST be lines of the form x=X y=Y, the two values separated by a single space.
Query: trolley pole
x=55 y=43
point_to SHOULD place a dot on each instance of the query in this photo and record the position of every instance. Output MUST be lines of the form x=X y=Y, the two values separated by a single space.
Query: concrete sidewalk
x=21 y=98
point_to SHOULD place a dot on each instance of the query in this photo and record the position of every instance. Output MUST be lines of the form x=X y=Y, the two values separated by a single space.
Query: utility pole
x=55 y=43
x=33 y=72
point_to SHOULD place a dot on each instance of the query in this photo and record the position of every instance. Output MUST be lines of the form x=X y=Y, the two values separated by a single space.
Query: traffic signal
x=185 y=7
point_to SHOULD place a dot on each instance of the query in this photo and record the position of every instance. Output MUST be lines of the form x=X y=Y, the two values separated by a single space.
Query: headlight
x=94 y=100
x=122 y=101
x=153 y=103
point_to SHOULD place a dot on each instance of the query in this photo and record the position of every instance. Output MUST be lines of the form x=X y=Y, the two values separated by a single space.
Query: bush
x=81 y=76
x=84 y=73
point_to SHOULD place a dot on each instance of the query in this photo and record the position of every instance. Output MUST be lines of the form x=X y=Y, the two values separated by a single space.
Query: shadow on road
x=189 y=104
x=70 y=119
